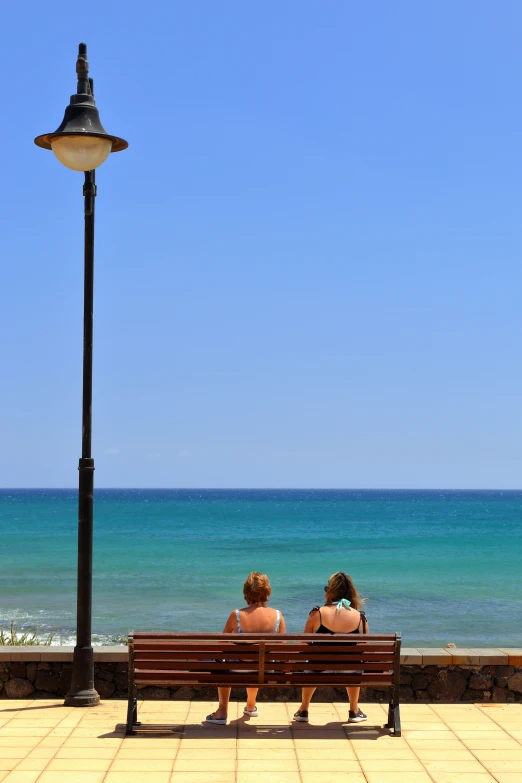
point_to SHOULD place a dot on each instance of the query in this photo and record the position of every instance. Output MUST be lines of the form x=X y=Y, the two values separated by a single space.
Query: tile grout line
x=292 y=734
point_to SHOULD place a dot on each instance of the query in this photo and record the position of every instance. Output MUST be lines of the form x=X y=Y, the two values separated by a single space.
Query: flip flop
x=210 y=719
x=252 y=713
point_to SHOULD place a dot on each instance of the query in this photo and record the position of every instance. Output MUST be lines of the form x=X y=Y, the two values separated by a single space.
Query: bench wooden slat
x=290 y=657
x=255 y=636
x=240 y=648
x=324 y=666
x=205 y=678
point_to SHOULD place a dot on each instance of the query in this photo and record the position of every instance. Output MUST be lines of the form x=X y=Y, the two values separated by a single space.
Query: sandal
x=301 y=716
x=252 y=713
x=220 y=721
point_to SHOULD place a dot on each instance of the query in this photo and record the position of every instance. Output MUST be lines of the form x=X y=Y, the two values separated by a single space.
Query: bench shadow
x=245 y=729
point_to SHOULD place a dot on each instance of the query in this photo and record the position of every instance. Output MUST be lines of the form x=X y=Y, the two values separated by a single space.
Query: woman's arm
x=231 y=623
x=312 y=624
x=282 y=625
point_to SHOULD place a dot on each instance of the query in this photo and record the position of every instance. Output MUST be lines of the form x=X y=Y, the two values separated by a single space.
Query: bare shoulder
x=313 y=611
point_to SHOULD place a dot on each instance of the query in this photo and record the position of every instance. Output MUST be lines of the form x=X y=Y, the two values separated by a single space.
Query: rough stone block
x=447 y=686
x=515 y=682
x=47 y=681
x=121 y=680
x=104 y=674
x=501 y=695
x=16 y=688
x=420 y=681
x=104 y=687
x=18 y=669
x=31 y=671
x=479 y=682
x=505 y=671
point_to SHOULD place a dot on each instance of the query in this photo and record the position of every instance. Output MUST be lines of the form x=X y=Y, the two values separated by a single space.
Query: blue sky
x=307 y=262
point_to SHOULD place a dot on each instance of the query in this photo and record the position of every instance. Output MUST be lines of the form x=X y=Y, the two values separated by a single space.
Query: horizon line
x=279 y=489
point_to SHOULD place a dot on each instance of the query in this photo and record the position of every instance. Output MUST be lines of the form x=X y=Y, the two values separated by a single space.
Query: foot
x=356 y=716
x=216 y=717
x=301 y=716
x=251 y=711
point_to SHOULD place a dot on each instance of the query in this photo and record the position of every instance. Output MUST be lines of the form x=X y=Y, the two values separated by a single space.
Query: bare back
x=343 y=621
x=255 y=619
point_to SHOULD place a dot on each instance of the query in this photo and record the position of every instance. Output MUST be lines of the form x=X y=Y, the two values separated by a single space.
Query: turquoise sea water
x=439 y=566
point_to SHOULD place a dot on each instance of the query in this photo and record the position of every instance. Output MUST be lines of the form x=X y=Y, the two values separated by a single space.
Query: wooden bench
x=264 y=660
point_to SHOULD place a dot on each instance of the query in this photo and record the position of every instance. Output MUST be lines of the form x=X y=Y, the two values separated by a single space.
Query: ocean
x=439 y=566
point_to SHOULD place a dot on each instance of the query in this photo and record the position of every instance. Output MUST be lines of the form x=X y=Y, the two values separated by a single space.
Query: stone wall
x=420 y=682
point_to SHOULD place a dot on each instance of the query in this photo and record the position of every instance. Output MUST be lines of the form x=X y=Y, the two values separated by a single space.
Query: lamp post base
x=82 y=692
x=86 y=698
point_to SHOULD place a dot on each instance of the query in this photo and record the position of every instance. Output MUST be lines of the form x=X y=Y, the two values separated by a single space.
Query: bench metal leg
x=132 y=715
x=396 y=721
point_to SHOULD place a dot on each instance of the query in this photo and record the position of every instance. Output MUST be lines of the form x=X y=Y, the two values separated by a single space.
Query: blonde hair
x=340 y=585
x=257 y=588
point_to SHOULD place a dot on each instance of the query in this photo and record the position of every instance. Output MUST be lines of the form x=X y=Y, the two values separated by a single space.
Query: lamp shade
x=81 y=140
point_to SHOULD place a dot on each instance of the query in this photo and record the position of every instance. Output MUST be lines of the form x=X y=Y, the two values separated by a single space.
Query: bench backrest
x=283 y=660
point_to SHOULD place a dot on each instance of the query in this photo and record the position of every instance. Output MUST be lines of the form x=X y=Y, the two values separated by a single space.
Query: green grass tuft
x=14 y=637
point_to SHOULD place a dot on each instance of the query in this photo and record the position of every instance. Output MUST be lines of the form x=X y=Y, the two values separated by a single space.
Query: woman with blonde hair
x=255 y=617
x=341 y=613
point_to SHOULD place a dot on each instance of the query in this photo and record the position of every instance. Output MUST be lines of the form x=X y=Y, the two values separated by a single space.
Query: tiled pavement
x=444 y=743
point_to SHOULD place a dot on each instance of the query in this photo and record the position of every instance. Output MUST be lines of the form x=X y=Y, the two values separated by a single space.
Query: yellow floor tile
x=22 y=777
x=411 y=734
x=391 y=765
x=79 y=764
x=151 y=753
x=12 y=742
x=447 y=765
x=504 y=742
x=267 y=765
x=6 y=765
x=387 y=753
x=195 y=777
x=503 y=777
x=32 y=765
x=329 y=765
x=19 y=752
x=504 y=754
x=342 y=752
x=90 y=742
x=504 y=766
x=265 y=777
x=207 y=764
x=453 y=744
x=398 y=777
x=91 y=753
x=333 y=777
x=13 y=733
x=136 y=777
x=145 y=765
x=216 y=753
x=461 y=777
x=449 y=754
x=264 y=752
x=263 y=742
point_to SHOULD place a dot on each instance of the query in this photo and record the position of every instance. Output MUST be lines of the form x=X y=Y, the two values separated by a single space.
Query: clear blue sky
x=308 y=261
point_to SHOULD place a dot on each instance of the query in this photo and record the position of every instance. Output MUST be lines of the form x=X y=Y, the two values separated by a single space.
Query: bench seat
x=269 y=660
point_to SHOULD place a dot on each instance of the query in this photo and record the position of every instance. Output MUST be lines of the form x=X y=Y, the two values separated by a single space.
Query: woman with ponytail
x=341 y=613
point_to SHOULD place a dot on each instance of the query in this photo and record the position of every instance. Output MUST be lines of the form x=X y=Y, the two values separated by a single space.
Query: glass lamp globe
x=81 y=153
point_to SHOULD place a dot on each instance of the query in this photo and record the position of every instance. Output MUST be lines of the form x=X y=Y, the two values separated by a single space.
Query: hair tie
x=343 y=602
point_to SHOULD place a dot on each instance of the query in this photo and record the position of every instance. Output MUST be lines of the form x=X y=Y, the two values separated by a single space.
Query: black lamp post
x=82 y=143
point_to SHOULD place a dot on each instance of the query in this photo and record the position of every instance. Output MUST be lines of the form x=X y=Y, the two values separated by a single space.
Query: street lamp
x=81 y=143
